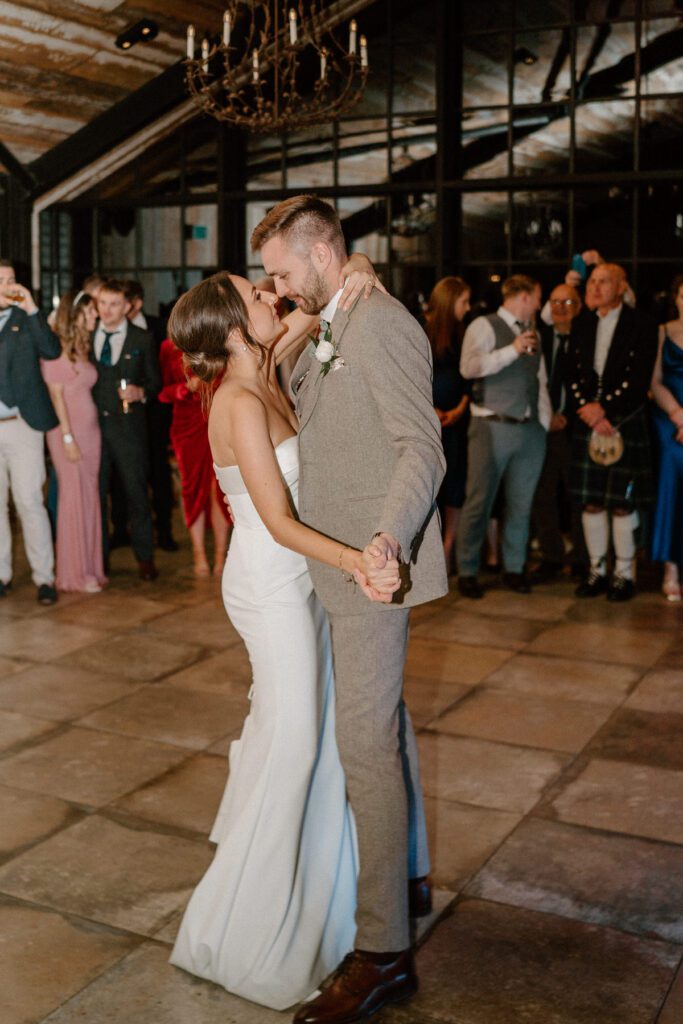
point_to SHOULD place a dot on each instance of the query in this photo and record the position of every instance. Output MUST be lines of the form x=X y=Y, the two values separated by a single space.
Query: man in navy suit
x=26 y=412
x=123 y=353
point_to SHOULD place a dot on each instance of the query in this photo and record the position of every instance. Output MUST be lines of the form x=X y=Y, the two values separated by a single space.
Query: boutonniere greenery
x=326 y=351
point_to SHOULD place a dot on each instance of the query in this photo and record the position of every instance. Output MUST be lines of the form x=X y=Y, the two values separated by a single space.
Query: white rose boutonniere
x=325 y=349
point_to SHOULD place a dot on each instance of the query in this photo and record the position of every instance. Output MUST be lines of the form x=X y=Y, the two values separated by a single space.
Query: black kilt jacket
x=623 y=394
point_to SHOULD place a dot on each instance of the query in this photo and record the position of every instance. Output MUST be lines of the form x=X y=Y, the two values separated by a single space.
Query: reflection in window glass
x=485 y=225
x=310 y=158
x=539 y=225
x=201 y=235
x=415 y=76
x=603 y=220
x=604 y=60
x=363 y=152
x=485 y=143
x=661 y=133
x=604 y=136
x=603 y=10
x=364 y=221
x=414 y=146
x=264 y=161
x=160 y=234
x=662 y=56
x=162 y=288
x=541 y=66
x=413 y=228
x=485 y=62
x=541 y=141
x=117 y=238
x=255 y=213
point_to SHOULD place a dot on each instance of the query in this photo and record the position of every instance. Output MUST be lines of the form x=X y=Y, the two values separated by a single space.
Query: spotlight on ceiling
x=524 y=56
x=141 y=32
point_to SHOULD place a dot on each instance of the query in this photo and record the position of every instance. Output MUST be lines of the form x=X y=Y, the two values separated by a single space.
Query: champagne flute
x=125 y=404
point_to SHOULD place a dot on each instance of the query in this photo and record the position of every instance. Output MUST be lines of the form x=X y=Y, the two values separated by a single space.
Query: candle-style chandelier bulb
x=259 y=76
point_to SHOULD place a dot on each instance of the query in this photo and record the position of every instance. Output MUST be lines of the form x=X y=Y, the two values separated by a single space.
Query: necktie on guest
x=105 y=354
x=557 y=373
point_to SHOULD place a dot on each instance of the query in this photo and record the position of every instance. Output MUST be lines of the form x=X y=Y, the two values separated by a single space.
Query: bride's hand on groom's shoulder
x=358 y=276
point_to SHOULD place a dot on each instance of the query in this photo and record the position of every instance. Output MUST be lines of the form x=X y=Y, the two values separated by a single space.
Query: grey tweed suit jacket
x=370 y=450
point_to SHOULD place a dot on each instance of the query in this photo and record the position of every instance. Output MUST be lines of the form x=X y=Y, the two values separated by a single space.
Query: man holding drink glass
x=507 y=436
x=26 y=412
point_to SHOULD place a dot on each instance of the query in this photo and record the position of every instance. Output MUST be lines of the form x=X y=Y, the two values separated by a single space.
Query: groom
x=371 y=463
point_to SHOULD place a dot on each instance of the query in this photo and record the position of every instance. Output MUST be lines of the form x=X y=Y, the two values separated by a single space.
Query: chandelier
x=276 y=68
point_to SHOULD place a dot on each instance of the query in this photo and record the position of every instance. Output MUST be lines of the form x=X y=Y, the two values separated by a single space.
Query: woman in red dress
x=190 y=440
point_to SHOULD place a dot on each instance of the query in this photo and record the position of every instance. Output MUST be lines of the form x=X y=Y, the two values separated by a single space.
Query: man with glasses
x=552 y=502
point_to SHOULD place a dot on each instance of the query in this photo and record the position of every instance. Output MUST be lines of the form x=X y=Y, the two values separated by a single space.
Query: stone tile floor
x=550 y=732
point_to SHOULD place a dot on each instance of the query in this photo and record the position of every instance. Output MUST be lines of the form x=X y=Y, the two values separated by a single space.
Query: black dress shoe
x=546 y=571
x=46 y=594
x=592 y=586
x=5 y=588
x=621 y=589
x=517 y=581
x=167 y=543
x=419 y=897
x=362 y=985
x=469 y=586
x=148 y=571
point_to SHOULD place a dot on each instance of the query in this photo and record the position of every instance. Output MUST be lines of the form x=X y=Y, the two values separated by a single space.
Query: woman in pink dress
x=75 y=448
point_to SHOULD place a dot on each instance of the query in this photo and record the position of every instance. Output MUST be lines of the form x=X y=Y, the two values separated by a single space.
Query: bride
x=274 y=913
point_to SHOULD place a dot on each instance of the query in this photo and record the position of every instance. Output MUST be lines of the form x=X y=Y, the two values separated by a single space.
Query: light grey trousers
x=511 y=453
x=379 y=755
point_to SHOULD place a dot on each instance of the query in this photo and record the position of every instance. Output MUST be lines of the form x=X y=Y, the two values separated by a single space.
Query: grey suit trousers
x=379 y=755
x=511 y=453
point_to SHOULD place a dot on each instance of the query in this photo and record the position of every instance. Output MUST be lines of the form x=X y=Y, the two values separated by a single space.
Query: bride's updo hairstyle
x=201 y=322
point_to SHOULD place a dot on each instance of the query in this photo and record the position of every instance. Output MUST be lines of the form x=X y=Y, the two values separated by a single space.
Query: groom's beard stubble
x=314 y=294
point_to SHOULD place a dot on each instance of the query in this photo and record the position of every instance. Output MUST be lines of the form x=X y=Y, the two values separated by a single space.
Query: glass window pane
x=414 y=67
x=201 y=235
x=310 y=158
x=414 y=148
x=374 y=99
x=363 y=152
x=604 y=136
x=264 y=162
x=364 y=221
x=413 y=228
x=485 y=62
x=541 y=66
x=485 y=224
x=412 y=285
x=603 y=220
x=542 y=141
x=660 y=220
x=254 y=214
x=160 y=236
x=201 y=156
x=162 y=288
x=602 y=10
x=604 y=60
x=531 y=12
x=661 y=56
x=653 y=289
x=539 y=226
x=117 y=238
x=485 y=143
x=661 y=133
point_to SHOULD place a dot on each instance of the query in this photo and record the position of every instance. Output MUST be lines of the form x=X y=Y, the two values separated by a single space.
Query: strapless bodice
x=231 y=483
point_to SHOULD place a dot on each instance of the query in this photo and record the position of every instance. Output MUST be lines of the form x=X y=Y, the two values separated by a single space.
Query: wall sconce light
x=141 y=32
x=524 y=56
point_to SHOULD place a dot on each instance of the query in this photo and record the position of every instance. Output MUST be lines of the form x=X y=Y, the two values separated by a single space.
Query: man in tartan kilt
x=608 y=378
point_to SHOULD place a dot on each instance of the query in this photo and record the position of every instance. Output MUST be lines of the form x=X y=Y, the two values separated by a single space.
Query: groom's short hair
x=302 y=221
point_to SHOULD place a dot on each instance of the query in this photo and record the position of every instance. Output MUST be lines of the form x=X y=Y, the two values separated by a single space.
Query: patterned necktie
x=557 y=374
x=105 y=354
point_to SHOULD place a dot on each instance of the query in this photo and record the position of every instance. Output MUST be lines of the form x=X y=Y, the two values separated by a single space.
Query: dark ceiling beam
x=561 y=55
x=16 y=169
x=602 y=34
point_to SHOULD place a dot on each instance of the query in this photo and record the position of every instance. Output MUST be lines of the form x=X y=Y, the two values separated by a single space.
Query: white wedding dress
x=274 y=913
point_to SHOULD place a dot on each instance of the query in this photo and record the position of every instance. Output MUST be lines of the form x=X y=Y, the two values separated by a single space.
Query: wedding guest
x=667 y=388
x=190 y=440
x=75 y=446
x=25 y=414
x=448 y=304
x=92 y=285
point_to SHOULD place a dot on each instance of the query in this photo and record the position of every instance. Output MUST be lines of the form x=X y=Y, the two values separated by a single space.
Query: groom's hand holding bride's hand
x=380 y=568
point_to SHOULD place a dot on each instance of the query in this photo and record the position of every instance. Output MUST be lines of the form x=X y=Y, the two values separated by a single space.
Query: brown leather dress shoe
x=419 y=897
x=148 y=571
x=361 y=986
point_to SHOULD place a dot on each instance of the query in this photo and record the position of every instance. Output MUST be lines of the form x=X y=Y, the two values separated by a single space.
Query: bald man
x=609 y=373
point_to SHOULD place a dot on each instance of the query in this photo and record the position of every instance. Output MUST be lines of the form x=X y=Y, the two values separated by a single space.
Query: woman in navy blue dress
x=667 y=387
x=448 y=304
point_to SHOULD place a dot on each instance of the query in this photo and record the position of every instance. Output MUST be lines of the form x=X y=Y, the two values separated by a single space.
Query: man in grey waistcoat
x=511 y=412
x=371 y=463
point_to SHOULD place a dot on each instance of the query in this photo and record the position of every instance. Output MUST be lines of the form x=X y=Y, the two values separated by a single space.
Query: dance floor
x=551 y=740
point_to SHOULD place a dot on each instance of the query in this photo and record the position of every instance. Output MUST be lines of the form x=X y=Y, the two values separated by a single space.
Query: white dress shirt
x=331 y=308
x=140 y=320
x=603 y=338
x=117 y=340
x=481 y=358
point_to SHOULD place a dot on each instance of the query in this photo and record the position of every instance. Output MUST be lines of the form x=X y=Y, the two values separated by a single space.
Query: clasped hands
x=593 y=415
x=131 y=393
x=380 y=578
